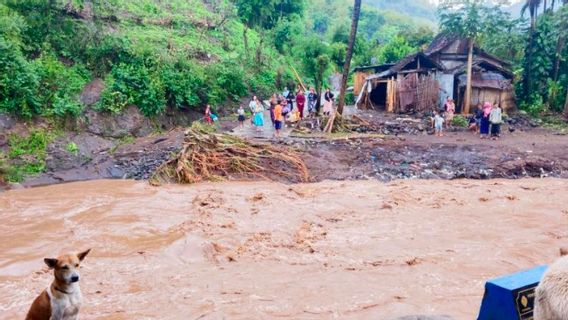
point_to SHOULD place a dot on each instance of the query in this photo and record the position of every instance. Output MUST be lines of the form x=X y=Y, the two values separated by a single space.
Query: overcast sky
x=512 y=1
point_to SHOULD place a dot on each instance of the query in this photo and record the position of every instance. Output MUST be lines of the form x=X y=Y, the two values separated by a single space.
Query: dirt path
x=345 y=250
x=267 y=132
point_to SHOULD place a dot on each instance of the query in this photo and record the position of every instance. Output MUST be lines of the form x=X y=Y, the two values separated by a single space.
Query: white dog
x=551 y=300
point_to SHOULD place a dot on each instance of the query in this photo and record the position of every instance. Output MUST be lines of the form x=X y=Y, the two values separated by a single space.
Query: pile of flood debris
x=209 y=156
x=400 y=124
x=365 y=124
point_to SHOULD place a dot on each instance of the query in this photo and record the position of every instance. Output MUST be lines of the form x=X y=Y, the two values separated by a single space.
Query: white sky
x=512 y=1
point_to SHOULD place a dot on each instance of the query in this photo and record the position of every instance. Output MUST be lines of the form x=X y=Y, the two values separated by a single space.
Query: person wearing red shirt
x=301 y=102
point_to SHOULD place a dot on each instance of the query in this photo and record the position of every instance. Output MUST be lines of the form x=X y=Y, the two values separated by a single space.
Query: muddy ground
x=455 y=156
x=392 y=147
x=262 y=250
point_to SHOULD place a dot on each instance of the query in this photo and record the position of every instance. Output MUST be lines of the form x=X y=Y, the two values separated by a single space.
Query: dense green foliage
x=43 y=85
x=537 y=50
x=187 y=53
x=155 y=55
x=27 y=154
x=547 y=69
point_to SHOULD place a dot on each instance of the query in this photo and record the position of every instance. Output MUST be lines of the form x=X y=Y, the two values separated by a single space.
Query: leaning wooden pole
x=467 y=99
x=298 y=77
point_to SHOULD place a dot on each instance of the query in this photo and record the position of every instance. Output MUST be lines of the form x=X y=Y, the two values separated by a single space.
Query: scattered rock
x=6 y=122
x=91 y=94
x=412 y=262
x=117 y=173
x=128 y=122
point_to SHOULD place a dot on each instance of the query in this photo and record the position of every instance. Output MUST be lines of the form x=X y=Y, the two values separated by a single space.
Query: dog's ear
x=51 y=262
x=83 y=254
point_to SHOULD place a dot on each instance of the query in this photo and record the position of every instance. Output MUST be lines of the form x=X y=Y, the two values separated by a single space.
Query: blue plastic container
x=511 y=297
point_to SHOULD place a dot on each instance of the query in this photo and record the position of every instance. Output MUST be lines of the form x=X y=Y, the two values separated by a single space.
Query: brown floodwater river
x=260 y=250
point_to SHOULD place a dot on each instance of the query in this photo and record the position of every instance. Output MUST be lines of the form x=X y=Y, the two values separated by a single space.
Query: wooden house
x=491 y=77
x=409 y=85
x=360 y=74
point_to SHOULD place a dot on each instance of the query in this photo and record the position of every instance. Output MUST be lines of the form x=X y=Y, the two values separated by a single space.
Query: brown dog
x=62 y=299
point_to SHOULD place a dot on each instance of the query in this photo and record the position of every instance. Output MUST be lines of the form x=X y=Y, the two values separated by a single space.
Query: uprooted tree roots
x=213 y=157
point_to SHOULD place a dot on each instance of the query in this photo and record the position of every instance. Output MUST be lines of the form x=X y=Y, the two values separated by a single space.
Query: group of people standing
x=486 y=120
x=288 y=105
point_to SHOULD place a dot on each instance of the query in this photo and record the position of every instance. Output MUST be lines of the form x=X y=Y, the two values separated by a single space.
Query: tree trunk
x=318 y=92
x=566 y=105
x=544 y=10
x=349 y=55
x=559 y=48
x=319 y=89
x=559 y=45
x=245 y=40
x=467 y=98
x=259 y=51
x=528 y=62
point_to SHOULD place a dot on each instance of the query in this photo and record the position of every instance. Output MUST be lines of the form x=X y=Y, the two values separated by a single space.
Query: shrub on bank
x=459 y=121
x=27 y=154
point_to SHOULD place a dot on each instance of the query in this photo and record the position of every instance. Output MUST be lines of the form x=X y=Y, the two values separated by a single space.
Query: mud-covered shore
x=392 y=147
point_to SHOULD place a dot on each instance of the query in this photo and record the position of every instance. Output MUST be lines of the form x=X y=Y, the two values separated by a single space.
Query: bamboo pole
x=298 y=77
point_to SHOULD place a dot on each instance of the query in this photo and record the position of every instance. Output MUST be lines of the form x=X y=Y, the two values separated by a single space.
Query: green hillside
x=423 y=9
x=182 y=53
x=153 y=54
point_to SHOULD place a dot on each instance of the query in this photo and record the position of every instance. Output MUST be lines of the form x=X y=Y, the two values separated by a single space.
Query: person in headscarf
x=484 y=125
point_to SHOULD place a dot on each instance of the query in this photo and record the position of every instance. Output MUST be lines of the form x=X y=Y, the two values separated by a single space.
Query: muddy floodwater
x=260 y=250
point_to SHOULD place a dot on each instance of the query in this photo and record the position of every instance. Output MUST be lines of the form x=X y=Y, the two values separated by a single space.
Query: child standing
x=278 y=119
x=438 y=124
x=241 y=113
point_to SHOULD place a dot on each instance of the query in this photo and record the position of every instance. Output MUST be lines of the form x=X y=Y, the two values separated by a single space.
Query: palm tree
x=532 y=7
x=561 y=43
x=349 y=55
x=565 y=2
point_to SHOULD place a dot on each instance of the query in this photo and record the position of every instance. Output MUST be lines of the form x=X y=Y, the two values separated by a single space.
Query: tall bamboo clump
x=209 y=156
